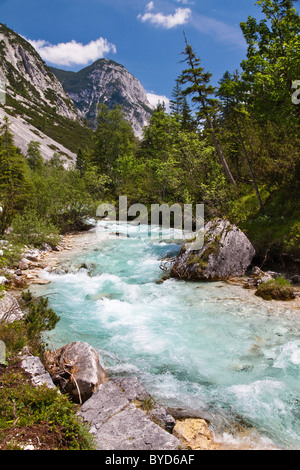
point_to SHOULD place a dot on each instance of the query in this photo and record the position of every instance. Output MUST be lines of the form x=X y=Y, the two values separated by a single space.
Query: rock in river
x=226 y=253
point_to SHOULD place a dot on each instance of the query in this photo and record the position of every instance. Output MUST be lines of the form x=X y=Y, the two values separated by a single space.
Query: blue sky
x=144 y=36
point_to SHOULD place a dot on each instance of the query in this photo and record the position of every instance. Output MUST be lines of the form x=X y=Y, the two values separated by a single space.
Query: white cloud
x=150 y=6
x=154 y=100
x=73 y=52
x=180 y=17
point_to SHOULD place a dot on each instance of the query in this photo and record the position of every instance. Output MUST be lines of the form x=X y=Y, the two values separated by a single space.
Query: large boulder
x=34 y=367
x=3 y=280
x=226 y=253
x=195 y=435
x=10 y=310
x=118 y=424
x=76 y=369
x=138 y=395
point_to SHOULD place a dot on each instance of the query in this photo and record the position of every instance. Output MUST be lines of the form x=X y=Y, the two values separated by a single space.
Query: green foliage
x=246 y=132
x=272 y=62
x=33 y=230
x=40 y=318
x=29 y=331
x=24 y=407
x=277 y=289
x=15 y=337
x=11 y=256
x=244 y=207
x=26 y=410
x=114 y=140
x=34 y=157
x=15 y=187
x=61 y=196
x=292 y=243
x=80 y=162
x=2 y=291
x=199 y=88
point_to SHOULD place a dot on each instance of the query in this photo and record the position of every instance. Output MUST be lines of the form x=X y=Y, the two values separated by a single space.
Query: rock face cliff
x=28 y=79
x=107 y=82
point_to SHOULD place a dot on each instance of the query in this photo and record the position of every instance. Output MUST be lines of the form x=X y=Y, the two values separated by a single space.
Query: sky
x=144 y=36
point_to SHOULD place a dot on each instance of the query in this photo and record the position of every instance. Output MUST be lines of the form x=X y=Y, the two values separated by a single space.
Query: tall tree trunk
x=220 y=152
x=249 y=164
x=209 y=119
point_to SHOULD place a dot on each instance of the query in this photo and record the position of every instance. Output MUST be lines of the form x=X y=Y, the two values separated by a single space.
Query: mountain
x=39 y=107
x=106 y=81
x=36 y=103
x=28 y=77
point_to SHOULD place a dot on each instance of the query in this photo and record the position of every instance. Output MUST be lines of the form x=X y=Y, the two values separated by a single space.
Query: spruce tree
x=80 y=162
x=200 y=89
x=14 y=186
x=34 y=157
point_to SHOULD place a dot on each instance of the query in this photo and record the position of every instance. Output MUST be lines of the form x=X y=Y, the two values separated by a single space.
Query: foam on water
x=209 y=347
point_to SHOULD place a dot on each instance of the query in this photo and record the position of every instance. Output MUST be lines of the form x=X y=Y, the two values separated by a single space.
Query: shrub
x=14 y=336
x=28 y=331
x=28 y=414
x=38 y=415
x=277 y=289
x=31 y=229
x=40 y=318
x=11 y=256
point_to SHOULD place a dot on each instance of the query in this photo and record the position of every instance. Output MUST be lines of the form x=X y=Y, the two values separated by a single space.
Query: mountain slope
x=26 y=75
x=36 y=103
x=24 y=134
x=107 y=82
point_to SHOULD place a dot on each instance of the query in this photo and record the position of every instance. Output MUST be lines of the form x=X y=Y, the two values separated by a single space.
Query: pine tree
x=177 y=99
x=200 y=90
x=80 y=162
x=14 y=185
x=180 y=109
x=188 y=123
x=34 y=157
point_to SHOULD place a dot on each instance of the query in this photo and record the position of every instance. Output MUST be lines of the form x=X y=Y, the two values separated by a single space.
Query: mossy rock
x=277 y=289
x=226 y=253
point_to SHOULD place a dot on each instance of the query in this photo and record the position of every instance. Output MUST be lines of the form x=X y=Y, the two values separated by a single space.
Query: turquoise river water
x=210 y=347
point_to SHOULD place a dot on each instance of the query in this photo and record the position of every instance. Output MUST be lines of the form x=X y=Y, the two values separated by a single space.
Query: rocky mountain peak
x=106 y=81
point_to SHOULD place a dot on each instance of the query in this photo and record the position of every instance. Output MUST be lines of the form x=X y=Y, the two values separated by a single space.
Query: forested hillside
x=234 y=148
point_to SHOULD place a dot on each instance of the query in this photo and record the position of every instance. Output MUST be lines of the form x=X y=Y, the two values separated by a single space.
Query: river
x=213 y=348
